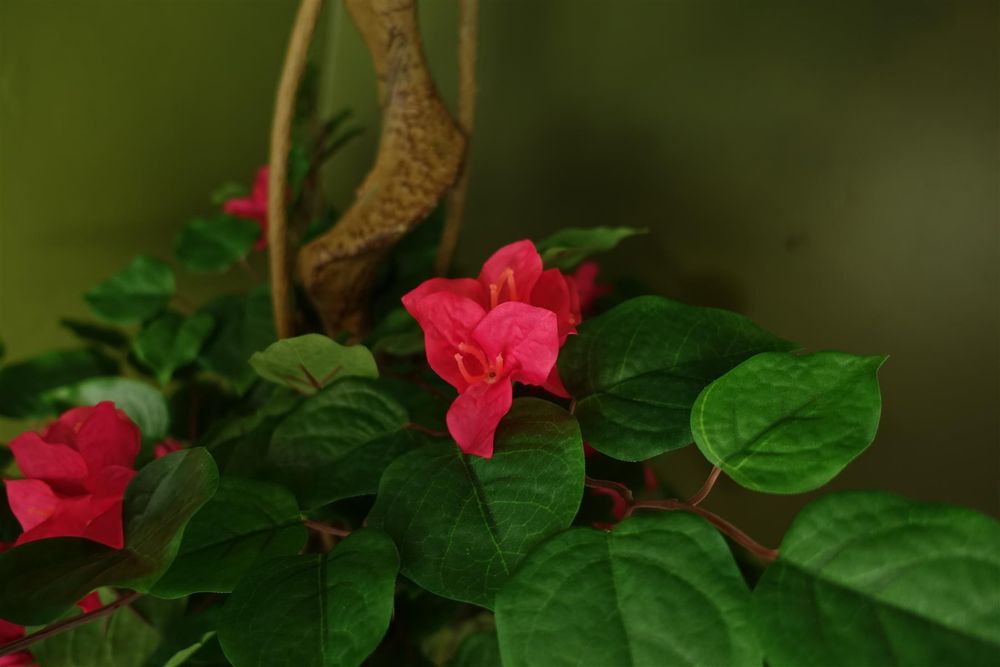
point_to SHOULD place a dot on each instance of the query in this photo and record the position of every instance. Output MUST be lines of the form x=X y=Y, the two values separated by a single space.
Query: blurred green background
x=830 y=169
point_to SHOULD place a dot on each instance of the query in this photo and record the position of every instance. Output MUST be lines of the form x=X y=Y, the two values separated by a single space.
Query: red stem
x=321 y=527
x=25 y=642
x=423 y=429
x=706 y=488
x=617 y=487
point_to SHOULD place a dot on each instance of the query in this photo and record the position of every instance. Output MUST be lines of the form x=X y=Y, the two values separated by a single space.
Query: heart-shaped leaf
x=97 y=334
x=338 y=442
x=144 y=404
x=316 y=610
x=215 y=244
x=657 y=590
x=25 y=384
x=870 y=578
x=568 y=247
x=171 y=341
x=463 y=523
x=310 y=362
x=245 y=521
x=636 y=370
x=787 y=424
x=136 y=293
x=39 y=581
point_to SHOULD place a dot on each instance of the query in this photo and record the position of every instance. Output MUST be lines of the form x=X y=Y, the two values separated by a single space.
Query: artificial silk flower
x=253 y=207
x=514 y=273
x=481 y=354
x=75 y=475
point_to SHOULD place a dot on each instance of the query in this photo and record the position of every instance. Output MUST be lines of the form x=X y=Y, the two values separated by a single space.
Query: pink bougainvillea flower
x=253 y=207
x=76 y=473
x=168 y=446
x=481 y=353
x=514 y=273
x=10 y=632
x=584 y=288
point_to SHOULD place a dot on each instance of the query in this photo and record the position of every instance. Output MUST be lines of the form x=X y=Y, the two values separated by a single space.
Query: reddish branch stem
x=25 y=642
x=321 y=527
x=706 y=488
x=617 y=487
x=410 y=426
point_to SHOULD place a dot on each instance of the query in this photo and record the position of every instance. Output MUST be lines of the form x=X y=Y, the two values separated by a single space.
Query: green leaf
x=136 y=293
x=398 y=334
x=171 y=341
x=657 y=590
x=310 y=362
x=874 y=579
x=91 y=332
x=215 y=244
x=144 y=404
x=181 y=657
x=227 y=191
x=787 y=424
x=463 y=523
x=243 y=325
x=10 y=528
x=123 y=639
x=480 y=649
x=39 y=581
x=244 y=521
x=24 y=385
x=338 y=442
x=636 y=370
x=316 y=610
x=568 y=247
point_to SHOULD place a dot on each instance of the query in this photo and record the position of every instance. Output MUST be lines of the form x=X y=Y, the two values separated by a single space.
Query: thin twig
x=706 y=488
x=610 y=485
x=25 y=642
x=277 y=185
x=410 y=426
x=724 y=526
x=468 y=11
x=325 y=528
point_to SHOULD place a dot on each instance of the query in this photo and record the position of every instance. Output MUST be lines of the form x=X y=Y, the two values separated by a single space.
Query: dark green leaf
x=463 y=523
x=171 y=341
x=182 y=656
x=245 y=521
x=787 y=424
x=10 y=529
x=657 y=590
x=636 y=370
x=144 y=404
x=39 y=581
x=398 y=334
x=239 y=444
x=123 y=639
x=310 y=362
x=317 y=610
x=243 y=325
x=480 y=649
x=339 y=441
x=136 y=293
x=215 y=244
x=874 y=579
x=568 y=247
x=23 y=385
x=91 y=332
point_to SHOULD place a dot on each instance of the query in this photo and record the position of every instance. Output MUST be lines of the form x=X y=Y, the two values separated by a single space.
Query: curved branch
x=35 y=637
x=418 y=160
x=277 y=184
x=468 y=11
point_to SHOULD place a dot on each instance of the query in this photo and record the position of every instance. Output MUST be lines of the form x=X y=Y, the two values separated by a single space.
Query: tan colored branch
x=277 y=185
x=468 y=11
x=418 y=160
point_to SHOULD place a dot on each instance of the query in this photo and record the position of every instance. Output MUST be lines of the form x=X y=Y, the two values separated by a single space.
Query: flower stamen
x=506 y=278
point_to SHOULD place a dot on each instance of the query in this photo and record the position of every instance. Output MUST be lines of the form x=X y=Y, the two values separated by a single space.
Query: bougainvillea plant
x=468 y=483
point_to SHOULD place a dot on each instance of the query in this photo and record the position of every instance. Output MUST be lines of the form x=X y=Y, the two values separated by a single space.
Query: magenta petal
x=553 y=384
x=90 y=603
x=106 y=527
x=475 y=414
x=108 y=438
x=32 y=502
x=552 y=292
x=524 y=263
x=260 y=186
x=244 y=208
x=525 y=336
x=53 y=463
x=465 y=287
x=447 y=320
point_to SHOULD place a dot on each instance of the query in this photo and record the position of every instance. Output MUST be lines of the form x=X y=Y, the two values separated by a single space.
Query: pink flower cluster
x=483 y=334
x=253 y=207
